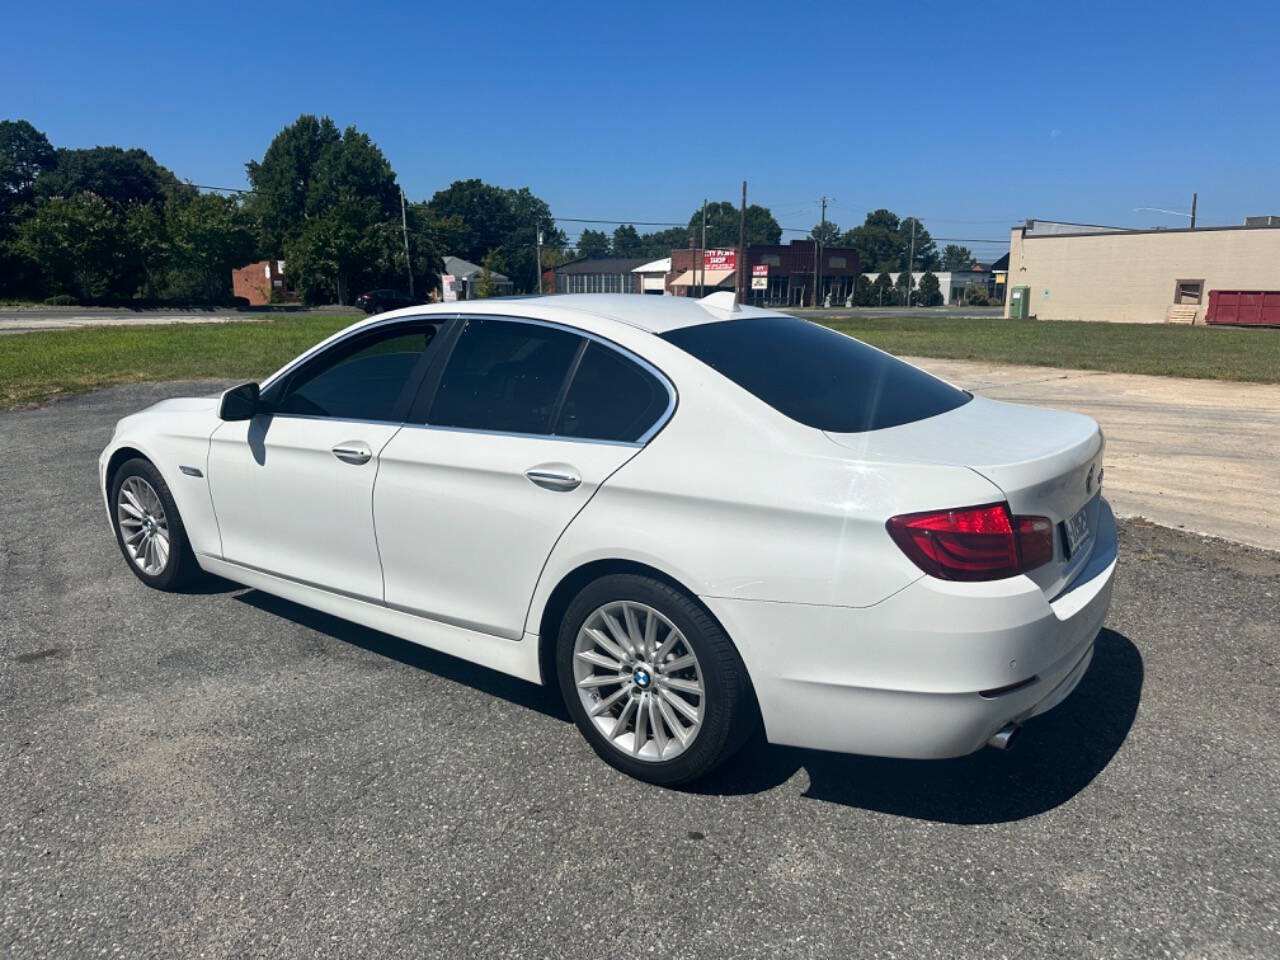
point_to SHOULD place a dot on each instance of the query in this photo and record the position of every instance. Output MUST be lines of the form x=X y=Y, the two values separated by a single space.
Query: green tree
x=722 y=225
x=627 y=242
x=484 y=212
x=930 y=293
x=488 y=287
x=593 y=243
x=78 y=243
x=25 y=153
x=882 y=290
x=661 y=242
x=205 y=239
x=955 y=257
x=827 y=234
x=904 y=288
x=883 y=242
x=282 y=180
x=517 y=253
x=926 y=251
x=863 y=291
x=976 y=295
x=116 y=175
x=877 y=241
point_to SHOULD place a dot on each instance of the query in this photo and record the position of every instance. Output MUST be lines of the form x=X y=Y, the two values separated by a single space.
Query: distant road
x=32 y=319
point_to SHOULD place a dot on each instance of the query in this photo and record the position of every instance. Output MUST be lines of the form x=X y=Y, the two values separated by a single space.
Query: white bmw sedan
x=693 y=517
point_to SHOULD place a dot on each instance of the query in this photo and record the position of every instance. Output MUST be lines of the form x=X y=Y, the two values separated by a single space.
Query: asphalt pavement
x=224 y=774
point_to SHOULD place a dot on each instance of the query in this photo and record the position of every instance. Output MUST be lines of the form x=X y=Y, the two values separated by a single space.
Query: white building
x=951 y=283
x=653 y=275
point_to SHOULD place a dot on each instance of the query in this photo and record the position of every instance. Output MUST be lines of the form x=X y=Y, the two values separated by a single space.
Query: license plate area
x=1075 y=531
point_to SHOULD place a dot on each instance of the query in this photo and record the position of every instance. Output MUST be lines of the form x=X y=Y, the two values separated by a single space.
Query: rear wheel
x=148 y=528
x=652 y=681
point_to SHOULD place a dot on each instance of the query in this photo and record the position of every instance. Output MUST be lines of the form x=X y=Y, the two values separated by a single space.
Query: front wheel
x=148 y=529
x=652 y=681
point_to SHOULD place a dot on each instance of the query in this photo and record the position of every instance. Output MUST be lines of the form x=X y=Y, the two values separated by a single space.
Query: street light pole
x=538 y=246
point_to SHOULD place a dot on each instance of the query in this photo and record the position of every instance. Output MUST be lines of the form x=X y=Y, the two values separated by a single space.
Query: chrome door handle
x=353 y=451
x=553 y=479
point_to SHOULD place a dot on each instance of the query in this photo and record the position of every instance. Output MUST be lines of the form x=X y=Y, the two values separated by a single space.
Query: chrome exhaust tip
x=1003 y=738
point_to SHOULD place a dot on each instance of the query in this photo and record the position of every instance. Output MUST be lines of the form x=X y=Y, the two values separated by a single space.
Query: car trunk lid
x=1046 y=462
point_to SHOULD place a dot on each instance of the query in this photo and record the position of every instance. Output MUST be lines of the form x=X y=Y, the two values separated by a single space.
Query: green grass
x=1207 y=353
x=36 y=367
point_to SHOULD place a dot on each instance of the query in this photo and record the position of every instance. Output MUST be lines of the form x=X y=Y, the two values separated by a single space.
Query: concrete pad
x=1198 y=455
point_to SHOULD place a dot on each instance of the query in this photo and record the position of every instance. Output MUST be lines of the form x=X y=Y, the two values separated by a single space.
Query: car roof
x=649 y=313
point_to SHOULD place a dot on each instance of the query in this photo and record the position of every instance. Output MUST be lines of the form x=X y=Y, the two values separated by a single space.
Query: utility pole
x=404 y=225
x=911 y=260
x=703 y=282
x=817 y=247
x=1193 y=210
x=740 y=280
x=538 y=246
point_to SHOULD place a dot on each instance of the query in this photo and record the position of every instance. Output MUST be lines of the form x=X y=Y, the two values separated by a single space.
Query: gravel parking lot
x=224 y=774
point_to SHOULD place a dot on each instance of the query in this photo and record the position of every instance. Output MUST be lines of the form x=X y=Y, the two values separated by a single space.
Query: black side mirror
x=240 y=403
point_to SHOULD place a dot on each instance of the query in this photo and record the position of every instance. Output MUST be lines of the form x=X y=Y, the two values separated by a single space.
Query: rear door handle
x=556 y=476
x=353 y=451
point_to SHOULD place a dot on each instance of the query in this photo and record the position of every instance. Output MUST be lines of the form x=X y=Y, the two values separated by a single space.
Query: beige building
x=1084 y=272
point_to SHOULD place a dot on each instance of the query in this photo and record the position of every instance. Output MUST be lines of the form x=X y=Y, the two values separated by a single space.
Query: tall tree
x=826 y=234
x=517 y=255
x=627 y=242
x=955 y=257
x=883 y=242
x=877 y=241
x=926 y=251
x=25 y=153
x=660 y=243
x=483 y=211
x=593 y=243
x=116 y=175
x=722 y=225
x=282 y=180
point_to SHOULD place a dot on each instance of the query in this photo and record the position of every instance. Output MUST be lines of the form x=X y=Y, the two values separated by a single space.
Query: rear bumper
x=905 y=677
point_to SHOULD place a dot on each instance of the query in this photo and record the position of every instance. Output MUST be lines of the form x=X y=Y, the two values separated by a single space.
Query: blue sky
x=969 y=116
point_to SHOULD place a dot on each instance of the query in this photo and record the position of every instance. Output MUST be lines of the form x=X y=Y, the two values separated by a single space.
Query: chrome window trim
x=642 y=440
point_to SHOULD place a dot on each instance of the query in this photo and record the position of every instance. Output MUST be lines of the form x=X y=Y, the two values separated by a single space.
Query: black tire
x=181 y=568
x=730 y=711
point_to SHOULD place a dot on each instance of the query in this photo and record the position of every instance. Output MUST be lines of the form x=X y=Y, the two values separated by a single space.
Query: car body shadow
x=531 y=696
x=1056 y=756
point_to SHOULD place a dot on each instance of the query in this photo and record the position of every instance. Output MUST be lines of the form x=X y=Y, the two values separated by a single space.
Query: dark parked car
x=379 y=301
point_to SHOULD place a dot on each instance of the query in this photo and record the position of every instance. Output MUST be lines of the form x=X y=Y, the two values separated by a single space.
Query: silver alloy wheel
x=144 y=528
x=639 y=680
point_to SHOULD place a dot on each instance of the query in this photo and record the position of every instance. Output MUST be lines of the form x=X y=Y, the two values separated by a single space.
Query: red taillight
x=973 y=543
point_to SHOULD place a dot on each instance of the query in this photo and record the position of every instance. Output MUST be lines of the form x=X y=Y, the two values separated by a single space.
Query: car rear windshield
x=816 y=376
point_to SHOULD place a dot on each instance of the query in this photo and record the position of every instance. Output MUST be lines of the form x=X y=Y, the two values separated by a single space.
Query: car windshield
x=816 y=376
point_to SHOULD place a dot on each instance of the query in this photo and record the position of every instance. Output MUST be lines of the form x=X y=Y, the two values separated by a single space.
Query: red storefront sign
x=720 y=259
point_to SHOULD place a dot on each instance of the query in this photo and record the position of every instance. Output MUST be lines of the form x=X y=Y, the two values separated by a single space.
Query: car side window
x=504 y=376
x=361 y=379
x=611 y=398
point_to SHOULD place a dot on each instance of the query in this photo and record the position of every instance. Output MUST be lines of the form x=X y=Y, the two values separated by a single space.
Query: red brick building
x=786 y=269
x=262 y=283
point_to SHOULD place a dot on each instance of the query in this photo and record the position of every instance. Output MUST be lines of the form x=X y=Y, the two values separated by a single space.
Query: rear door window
x=504 y=376
x=816 y=376
x=611 y=398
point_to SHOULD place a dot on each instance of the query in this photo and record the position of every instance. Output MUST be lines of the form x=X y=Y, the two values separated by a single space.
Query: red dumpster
x=1252 y=308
